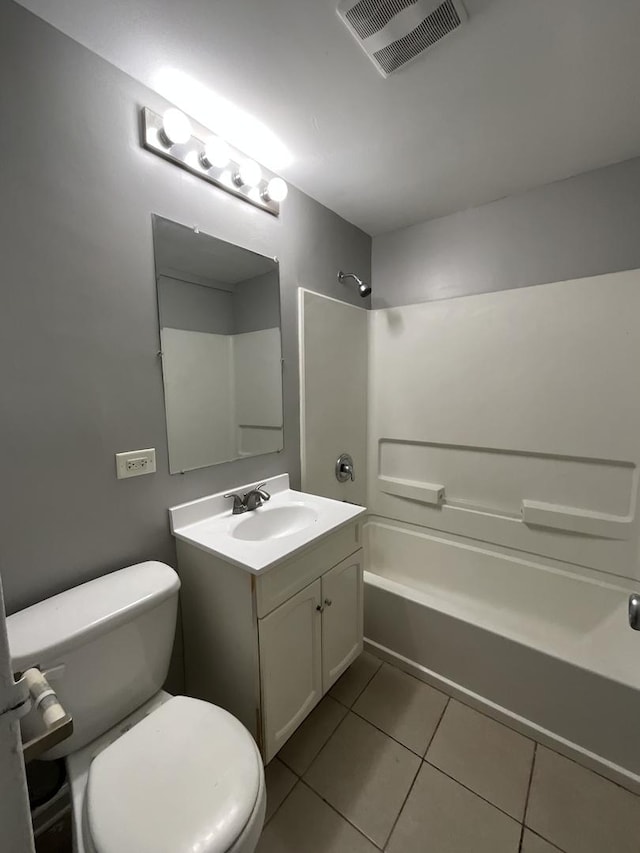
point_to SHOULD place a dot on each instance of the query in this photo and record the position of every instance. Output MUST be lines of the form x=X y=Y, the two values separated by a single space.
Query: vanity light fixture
x=216 y=153
x=176 y=127
x=249 y=174
x=276 y=190
x=185 y=143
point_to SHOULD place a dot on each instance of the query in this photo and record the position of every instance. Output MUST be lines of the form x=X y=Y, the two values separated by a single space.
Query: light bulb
x=276 y=190
x=176 y=127
x=249 y=174
x=216 y=153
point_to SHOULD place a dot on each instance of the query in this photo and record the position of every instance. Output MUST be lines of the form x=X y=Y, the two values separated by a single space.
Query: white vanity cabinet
x=342 y=614
x=268 y=646
x=305 y=645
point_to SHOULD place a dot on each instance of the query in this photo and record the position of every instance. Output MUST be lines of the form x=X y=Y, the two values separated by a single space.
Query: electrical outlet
x=134 y=463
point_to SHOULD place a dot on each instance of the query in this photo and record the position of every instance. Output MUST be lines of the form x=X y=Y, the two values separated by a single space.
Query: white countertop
x=209 y=524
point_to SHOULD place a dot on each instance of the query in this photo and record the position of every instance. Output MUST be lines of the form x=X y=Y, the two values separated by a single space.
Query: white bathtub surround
x=522 y=407
x=333 y=394
x=504 y=442
x=527 y=641
x=257 y=540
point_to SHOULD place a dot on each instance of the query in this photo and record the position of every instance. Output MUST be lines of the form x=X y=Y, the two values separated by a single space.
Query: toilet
x=149 y=772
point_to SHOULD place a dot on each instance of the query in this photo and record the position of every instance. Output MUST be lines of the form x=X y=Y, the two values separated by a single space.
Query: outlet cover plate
x=135 y=463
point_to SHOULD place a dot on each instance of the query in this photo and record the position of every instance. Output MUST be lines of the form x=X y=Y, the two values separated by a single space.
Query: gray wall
x=583 y=226
x=78 y=326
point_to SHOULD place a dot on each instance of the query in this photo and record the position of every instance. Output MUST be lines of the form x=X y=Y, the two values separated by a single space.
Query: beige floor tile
x=279 y=780
x=484 y=755
x=303 y=746
x=534 y=844
x=365 y=775
x=350 y=685
x=402 y=706
x=441 y=816
x=305 y=824
x=580 y=811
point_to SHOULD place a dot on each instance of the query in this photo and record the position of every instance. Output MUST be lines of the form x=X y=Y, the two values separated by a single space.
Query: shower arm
x=363 y=287
x=342 y=276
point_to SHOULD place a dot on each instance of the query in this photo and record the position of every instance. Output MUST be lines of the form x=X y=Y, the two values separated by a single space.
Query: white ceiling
x=526 y=92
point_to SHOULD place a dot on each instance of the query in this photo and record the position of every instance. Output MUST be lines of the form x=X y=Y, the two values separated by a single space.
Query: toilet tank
x=105 y=646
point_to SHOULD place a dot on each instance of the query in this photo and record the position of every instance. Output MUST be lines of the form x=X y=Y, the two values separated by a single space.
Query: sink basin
x=274 y=522
x=261 y=538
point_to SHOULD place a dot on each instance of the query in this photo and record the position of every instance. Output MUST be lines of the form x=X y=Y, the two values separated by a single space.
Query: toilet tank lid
x=79 y=615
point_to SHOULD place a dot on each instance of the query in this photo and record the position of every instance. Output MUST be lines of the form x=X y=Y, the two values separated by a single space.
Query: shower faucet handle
x=634 y=611
x=344 y=468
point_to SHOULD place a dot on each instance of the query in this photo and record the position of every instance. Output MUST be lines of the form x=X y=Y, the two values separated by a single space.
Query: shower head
x=364 y=289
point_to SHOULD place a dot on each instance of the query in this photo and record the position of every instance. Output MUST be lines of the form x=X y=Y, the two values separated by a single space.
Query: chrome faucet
x=249 y=501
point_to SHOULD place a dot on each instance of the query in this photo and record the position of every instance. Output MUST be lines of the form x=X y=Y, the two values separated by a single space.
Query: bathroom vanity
x=272 y=604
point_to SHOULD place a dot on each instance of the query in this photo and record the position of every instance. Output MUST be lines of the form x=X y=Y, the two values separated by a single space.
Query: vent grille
x=393 y=32
x=434 y=27
x=369 y=16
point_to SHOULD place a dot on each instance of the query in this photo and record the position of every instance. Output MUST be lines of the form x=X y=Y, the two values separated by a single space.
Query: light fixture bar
x=192 y=156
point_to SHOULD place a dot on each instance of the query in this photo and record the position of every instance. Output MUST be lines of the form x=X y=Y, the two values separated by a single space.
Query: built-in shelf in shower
x=575 y=520
x=426 y=493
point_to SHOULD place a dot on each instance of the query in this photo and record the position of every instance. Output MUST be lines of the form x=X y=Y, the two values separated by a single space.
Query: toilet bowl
x=148 y=771
x=173 y=776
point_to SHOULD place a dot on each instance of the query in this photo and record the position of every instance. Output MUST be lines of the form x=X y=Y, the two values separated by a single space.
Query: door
x=15 y=818
x=290 y=665
x=342 y=589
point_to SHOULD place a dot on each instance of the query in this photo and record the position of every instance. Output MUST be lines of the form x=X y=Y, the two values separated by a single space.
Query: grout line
x=588 y=769
x=471 y=791
x=322 y=745
x=369 y=680
x=284 y=800
x=550 y=843
x=401 y=809
x=446 y=705
x=507 y=725
x=382 y=731
x=420 y=755
x=339 y=813
x=526 y=802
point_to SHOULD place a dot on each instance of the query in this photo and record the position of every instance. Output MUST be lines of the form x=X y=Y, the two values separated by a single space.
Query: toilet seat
x=186 y=778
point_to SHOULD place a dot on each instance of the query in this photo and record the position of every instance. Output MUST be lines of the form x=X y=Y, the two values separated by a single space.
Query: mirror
x=219 y=315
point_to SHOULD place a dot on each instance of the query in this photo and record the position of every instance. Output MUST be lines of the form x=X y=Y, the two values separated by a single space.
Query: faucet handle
x=264 y=494
x=255 y=497
x=344 y=468
x=238 y=502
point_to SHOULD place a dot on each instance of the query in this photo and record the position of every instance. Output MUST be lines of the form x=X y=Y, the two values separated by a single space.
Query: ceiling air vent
x=393 y=32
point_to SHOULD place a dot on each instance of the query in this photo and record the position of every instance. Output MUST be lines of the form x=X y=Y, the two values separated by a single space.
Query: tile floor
x=386 y=762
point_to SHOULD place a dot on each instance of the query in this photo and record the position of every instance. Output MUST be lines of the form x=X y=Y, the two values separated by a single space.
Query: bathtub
x=547 y=650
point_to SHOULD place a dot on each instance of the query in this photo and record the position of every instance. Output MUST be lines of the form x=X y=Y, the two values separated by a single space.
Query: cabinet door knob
x=319 y=608
x=328 y=602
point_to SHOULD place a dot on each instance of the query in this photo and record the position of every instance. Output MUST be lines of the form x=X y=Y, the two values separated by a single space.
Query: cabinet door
x=341 y=618
x=290 y=665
